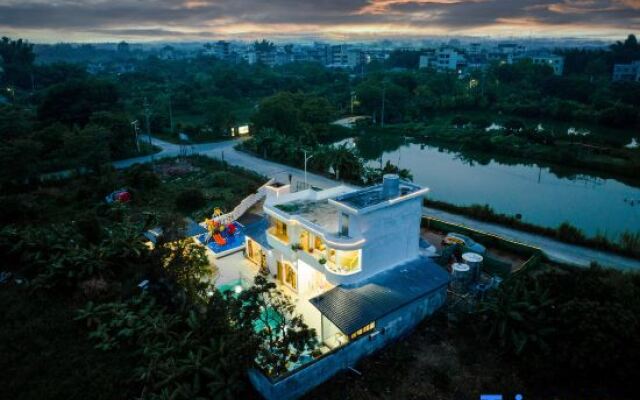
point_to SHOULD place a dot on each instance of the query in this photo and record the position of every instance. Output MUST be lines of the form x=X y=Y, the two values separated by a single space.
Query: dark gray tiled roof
x=351 y=308
x=257 y=231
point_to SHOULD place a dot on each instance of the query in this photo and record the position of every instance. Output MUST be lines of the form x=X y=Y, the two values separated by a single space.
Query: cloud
x=151 y=19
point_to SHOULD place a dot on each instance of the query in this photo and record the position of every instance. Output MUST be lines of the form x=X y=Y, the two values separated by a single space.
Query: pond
x=543 y=195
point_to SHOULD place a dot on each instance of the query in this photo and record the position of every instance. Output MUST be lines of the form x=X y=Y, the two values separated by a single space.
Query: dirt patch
x=175 y=168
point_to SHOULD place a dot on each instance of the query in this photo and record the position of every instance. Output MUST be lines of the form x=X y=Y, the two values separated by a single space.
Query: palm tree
x=345 y=162
x=518 y=316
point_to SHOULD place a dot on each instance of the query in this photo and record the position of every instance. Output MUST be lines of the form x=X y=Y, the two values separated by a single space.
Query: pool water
x=238 y=284
x=268 y=316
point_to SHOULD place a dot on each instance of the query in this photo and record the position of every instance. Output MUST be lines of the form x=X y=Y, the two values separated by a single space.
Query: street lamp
x=13 y=94
x=135 y=131
x=305 y=166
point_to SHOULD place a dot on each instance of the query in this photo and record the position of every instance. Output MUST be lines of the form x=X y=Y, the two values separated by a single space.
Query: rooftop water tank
x=461 y=277
x=390 y=186
x=474 y=261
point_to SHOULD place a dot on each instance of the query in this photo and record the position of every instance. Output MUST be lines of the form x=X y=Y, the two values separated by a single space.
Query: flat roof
x=257 y=231
x=372 y=196
x=351 y=308
x=319 y=212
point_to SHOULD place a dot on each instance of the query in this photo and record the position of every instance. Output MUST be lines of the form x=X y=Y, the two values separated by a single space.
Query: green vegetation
x=628 y=243
x=555 y=332
x=76 y=321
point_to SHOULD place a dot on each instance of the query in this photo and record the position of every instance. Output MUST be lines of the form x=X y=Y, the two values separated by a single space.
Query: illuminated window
x=367 y=328
x=279 y=230
x=318 y=245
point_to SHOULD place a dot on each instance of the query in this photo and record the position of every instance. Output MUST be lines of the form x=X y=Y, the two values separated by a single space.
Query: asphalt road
x=556 y=251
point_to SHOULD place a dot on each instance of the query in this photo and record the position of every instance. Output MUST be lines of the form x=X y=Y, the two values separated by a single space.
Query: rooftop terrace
x=319 y=212
x=375 y=195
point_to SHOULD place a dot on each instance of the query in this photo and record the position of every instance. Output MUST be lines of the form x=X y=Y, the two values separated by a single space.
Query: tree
x=519 y=317
x=86 y=148
x=17 y=61
x=190 y=199
x=180 y=265
x=283 y=336
x=263 y=46
x=219 y=115
x=117 y=128
x=626 y=51
x=374 y=176
x=317 y=113
x=280 y=112
x=73 y=102
x=404 y=59
x=345 y=163
x=19 y=160
x=195 y=352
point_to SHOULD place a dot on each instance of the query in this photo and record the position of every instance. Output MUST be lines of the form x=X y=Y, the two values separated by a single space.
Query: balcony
x=279 y=235
x=345 y=267
x=342 y=265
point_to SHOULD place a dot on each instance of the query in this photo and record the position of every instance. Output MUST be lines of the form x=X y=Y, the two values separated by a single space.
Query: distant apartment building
x=222 y=49
x=474 y=49
x=508 y=53
x=320 y=53
x=442 y=59
x=339 y=55
x=627 y=72
x=344 y=56
x=553 y=61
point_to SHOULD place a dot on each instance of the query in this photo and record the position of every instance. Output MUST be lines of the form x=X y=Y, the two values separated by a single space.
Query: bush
x=190 y=200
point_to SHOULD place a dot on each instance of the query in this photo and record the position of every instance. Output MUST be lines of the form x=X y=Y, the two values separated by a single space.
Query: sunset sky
x=145 y=20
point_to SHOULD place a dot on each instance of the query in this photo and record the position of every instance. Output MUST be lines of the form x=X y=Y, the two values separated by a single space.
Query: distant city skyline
x=338 y=20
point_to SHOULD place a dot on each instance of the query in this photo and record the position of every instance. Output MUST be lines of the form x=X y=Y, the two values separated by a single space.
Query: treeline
x=70 y=121
x=567 y=332
x=523 y=89
x=288 y=124
x=80 y=286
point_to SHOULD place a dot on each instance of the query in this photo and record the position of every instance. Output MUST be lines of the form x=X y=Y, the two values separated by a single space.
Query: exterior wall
x=392 y=235
x=388 y=329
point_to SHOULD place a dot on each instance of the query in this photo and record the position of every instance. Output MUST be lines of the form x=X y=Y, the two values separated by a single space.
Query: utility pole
x=352 y=95
x=147 y=112
x=134 y=124
x=170 y=114
x=384 y=89
x=305 y=166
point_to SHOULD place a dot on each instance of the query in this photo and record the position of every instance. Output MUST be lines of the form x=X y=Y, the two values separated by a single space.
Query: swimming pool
x=232 y=242
x=268 y=316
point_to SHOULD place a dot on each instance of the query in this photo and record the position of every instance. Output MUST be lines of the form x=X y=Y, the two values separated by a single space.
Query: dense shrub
x=190 y=199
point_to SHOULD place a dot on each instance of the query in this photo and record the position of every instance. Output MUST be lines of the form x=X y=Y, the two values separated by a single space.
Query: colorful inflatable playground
x=222 y=238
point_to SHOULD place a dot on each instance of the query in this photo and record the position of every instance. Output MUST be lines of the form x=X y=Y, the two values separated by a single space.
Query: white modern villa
x=351 y=260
